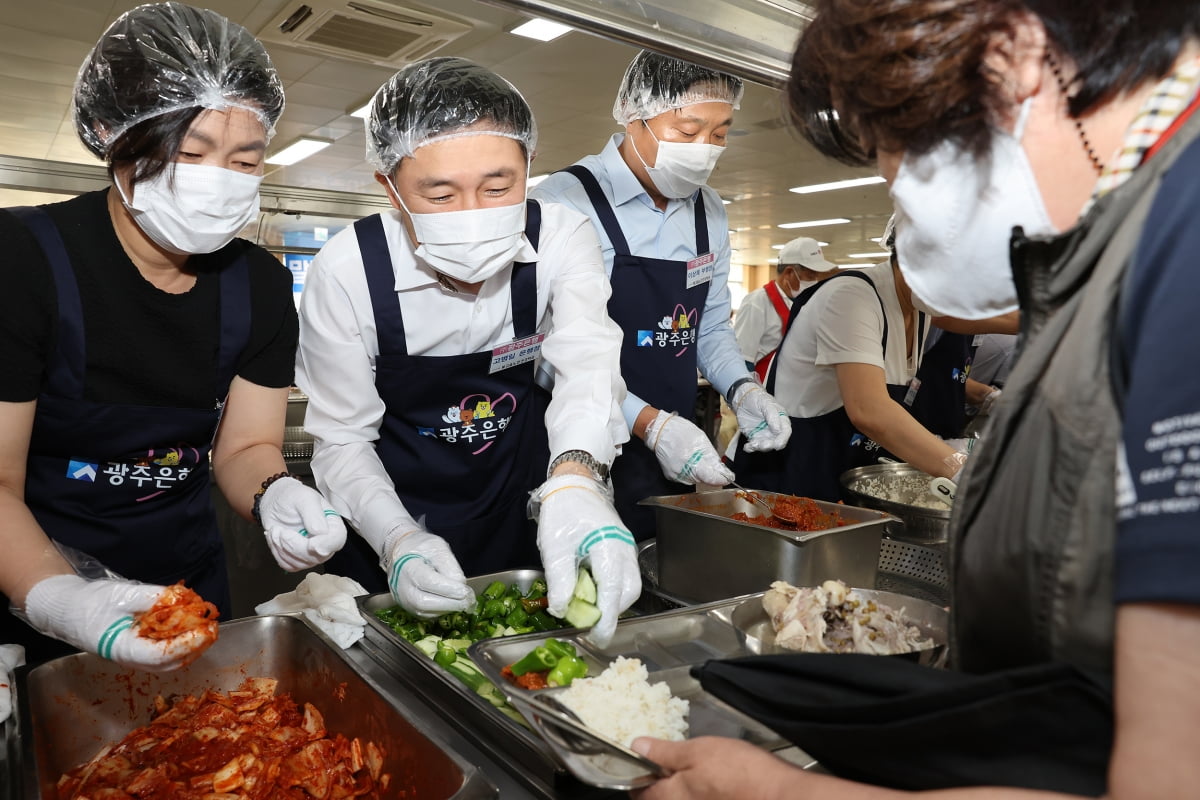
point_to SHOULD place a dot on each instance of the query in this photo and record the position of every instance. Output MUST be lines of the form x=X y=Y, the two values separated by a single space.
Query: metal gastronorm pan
x=73 y=706
x=704 y=556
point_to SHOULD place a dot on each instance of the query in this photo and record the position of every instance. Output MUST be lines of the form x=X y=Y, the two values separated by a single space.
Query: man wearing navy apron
x=425 y=336
x=665 y=239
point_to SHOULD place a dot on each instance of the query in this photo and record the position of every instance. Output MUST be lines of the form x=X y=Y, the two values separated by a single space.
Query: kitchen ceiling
x=570 y=83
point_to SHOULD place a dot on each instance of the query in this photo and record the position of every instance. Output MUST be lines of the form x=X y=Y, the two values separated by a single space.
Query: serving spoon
x=754 y=497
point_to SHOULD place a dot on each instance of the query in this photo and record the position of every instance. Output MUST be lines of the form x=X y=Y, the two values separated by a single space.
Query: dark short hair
x=909 y=74
x=151 y=144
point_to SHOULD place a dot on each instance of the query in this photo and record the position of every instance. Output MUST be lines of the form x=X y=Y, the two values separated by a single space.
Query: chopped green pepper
x=561 y=649
x=567 y=669
x=543 y=621
x=445 y=655
x=494 y=608
x=536 y=660
x=495 y=590
x=516 y=618
x=537 y=589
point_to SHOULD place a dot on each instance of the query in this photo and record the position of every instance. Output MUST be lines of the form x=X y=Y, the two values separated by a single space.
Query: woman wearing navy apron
x=142 y=343
x=666 y=248
x=846 y=372
x=425 y=337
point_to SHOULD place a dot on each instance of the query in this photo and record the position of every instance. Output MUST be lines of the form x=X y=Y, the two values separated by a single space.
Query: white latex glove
x=990 y=401
x=97 y=616
x=685 y=454
x=763 y=422
x=577 y=524
x=424 y=575
x=962 y=445
x=956 y=461
x=11 y=657
x=301 y=530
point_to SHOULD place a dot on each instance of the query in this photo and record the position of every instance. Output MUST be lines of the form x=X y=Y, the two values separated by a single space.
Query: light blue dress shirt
x=669 y=234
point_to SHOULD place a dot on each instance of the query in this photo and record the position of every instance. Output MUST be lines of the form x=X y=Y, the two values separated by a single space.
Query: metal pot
x=922 y=525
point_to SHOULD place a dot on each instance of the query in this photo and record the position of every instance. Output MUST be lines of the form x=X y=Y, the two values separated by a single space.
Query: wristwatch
x=581 y=457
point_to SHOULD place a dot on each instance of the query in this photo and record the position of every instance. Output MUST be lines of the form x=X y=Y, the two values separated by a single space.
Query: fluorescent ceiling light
x=362 y=111
x=541 y=29
x=876 y=238
x=726 y=202
x=813 y=223
x=881 y=254
x=536 y=179
x=827 y=187
x=299 y=150
x=781 y=246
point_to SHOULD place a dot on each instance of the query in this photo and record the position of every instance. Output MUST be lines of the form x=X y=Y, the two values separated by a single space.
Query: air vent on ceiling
x=376 y=31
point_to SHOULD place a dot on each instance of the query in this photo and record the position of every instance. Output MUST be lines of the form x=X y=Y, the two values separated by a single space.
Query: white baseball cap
x=804 y=252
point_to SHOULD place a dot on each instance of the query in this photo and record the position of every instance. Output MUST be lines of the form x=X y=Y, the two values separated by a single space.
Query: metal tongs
x=565 y=732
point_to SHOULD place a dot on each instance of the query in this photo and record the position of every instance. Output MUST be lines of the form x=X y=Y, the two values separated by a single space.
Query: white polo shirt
x=842 y=324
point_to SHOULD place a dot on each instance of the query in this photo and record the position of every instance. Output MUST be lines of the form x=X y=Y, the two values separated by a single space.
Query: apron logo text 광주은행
x=678 y=330
x=476 y=420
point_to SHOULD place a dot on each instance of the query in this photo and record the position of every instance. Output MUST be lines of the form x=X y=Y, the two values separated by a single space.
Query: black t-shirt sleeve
x=270 y=356
x=1158 y=537
x=28 y=312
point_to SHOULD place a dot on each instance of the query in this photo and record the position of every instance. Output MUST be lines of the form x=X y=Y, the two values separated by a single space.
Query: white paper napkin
x=328 y=602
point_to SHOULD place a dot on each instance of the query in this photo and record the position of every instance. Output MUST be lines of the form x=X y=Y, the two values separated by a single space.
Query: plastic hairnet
x=159 y=58
x=443 y=98
x=655 y=84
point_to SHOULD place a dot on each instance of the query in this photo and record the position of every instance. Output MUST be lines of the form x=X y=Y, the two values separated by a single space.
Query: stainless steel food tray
x=70 y=707
x=750 y=618
x=903 y=568
x=705 y=556
x=669 y=645
x=923 y=525
x=525 y=754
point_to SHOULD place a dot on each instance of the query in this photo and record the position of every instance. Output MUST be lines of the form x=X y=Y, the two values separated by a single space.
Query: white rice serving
x=621 y=704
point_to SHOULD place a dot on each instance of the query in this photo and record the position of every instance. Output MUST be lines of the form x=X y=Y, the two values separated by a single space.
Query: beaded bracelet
x=255 y=510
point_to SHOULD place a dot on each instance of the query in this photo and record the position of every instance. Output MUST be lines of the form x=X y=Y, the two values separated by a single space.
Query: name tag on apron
x=701 y=269
x=914 y=386
x=978 y=340
x=518 y=351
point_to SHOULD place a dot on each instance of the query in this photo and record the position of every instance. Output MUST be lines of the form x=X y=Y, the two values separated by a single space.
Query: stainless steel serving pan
x=932 y=620
x=71 y=707
x=668 y=645
x=924 y=526
x=514 y=744
x=703 y=555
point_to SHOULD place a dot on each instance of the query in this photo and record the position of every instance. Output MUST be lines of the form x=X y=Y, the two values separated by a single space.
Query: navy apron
x=940 y=404
x=820 y=448
x=128 y=485
x=659 y=319
x=462 y=447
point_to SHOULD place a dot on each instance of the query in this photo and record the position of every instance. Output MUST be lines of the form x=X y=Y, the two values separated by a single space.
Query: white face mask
x=200 y=210
x=681 y=167
x=469 y=246
x=802 y=286
x=954 y=221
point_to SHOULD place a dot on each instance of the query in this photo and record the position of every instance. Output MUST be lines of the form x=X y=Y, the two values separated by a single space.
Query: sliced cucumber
x=585 y=587
x=581 y=614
